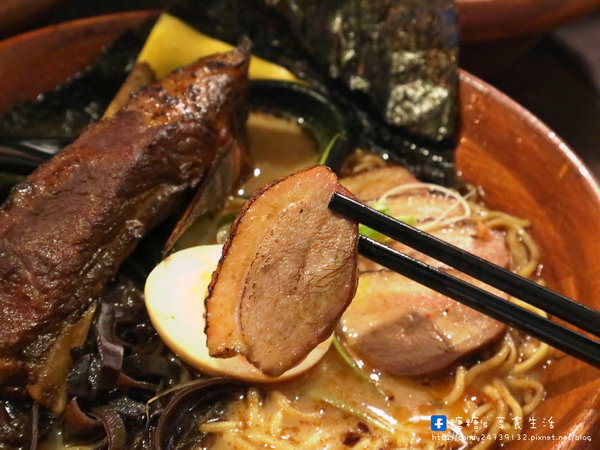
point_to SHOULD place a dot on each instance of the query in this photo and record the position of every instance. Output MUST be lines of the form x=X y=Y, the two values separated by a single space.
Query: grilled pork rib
x=66 y=229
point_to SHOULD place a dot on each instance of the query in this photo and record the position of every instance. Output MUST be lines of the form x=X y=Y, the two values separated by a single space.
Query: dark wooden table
x=559 y=81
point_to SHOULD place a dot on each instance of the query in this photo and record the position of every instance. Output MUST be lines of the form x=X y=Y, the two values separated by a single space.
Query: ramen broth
x=324 y=408
x=407 y=402
x=278 y=146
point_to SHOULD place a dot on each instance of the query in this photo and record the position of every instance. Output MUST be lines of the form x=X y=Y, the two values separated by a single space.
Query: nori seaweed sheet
x=401 y=54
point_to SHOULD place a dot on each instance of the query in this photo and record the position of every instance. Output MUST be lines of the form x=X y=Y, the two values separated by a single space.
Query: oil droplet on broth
x=278 y=146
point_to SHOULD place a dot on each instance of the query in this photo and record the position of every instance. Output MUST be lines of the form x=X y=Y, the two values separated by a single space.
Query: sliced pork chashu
x=287 y=273
x=490 y=246
x=424 y=207
x=405 y=328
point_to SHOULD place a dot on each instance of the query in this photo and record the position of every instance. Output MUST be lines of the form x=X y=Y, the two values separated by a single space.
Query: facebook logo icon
x=438 y=423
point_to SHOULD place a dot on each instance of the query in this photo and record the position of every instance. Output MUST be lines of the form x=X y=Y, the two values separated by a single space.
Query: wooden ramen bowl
x=522 y=166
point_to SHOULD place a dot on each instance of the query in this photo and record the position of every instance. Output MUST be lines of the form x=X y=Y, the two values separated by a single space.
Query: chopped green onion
x=354 y=366
x=408 y=220
x=362 y=415
x=376 y=235
x=372 y=234
x=166 y=392
x=381 y=207
x=328 y=149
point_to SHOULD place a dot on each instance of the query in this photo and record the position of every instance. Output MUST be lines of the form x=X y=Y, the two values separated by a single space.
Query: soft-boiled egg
x=175 y=292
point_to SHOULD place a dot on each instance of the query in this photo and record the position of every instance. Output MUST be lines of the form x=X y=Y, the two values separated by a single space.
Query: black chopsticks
x=529 y=322
x=543 y=329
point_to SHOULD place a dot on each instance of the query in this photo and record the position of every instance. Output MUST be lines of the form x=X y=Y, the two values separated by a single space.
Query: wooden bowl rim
x=497 y=17
x=532 y=121
x=83 y=23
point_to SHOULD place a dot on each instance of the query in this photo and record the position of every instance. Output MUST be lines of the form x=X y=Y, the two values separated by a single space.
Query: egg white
x=174 y=295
